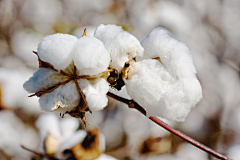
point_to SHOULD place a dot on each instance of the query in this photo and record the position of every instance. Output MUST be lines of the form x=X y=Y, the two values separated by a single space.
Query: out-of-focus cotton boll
x=23 y=42
x=79 y=31
x=13 y=95
x=135 y=131
x=56 y=49
x=90 y=56
x=115 y=137
x=95 y=93
x=194 y=124
x=62 y=99
x=42 y=14
x=48 y=124
x=230 y=27
x=188 y=151
x=229 y=80
x=71 y=141
x=121 y=44
x=233 y=152
x=167 y=14
x=105 y=157
x=60 y=129
x=15 y=133
x=68 y=126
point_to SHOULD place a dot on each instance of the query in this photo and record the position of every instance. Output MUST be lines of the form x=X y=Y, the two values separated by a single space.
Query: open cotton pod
x=72 y=75
x=163 y=81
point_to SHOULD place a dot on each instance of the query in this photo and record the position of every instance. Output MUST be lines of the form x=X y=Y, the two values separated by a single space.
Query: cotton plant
x=74 y=74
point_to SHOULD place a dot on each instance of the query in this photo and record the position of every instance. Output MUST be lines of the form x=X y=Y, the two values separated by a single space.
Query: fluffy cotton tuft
x=43 y=79
x=122 y=45
x=175 y=55
x=167 y=88
x=57 y=49
x=90 y=56
x=63 y=99
x=95 y=92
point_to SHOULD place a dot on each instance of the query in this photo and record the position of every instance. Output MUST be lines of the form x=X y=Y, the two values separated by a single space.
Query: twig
x=132 y=104
x=188 y=139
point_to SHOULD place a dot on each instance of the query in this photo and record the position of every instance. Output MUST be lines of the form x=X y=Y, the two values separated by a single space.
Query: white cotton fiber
x=64 y=98
x=160 y=93
x=42 y=79
x=175 y=56
x=90 y=56
x=95 y=92
x=14 y=133
x=48 y=124
x=69 y=126
x=105 y=157
x=56 y=49
x=76 y=138
x=121 y=44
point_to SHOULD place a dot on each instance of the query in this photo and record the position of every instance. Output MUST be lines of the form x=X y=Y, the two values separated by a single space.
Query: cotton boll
x=48 y=124
x=56 y=49
x=95 y=93
x=41 y=14
x=160 y=93
x=146 y=83
x=76 y=138
x=62 y=99
x=68 y=126
x=43 y=79
x=121 y=44
x=175 y=56
x=90 y=56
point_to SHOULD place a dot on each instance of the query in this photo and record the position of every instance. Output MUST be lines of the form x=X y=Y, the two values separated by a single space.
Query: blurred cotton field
x=210 y=29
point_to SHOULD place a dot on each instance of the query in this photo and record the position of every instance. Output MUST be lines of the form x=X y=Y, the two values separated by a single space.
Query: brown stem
x=132 y=104
x=189 y=139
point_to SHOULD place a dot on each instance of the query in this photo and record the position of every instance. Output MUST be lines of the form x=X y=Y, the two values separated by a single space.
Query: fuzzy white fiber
x=90 y=56
x=95 y=92
x=105 y=157
x=175 y=55
x=43 y=79
x=63 y=51
x=56 y=49
x=64 y=98
x=121 y=44
x=169 y=90
x=61 y=129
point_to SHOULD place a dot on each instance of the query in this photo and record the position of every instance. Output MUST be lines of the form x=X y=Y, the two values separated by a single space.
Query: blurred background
x=211 y=29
